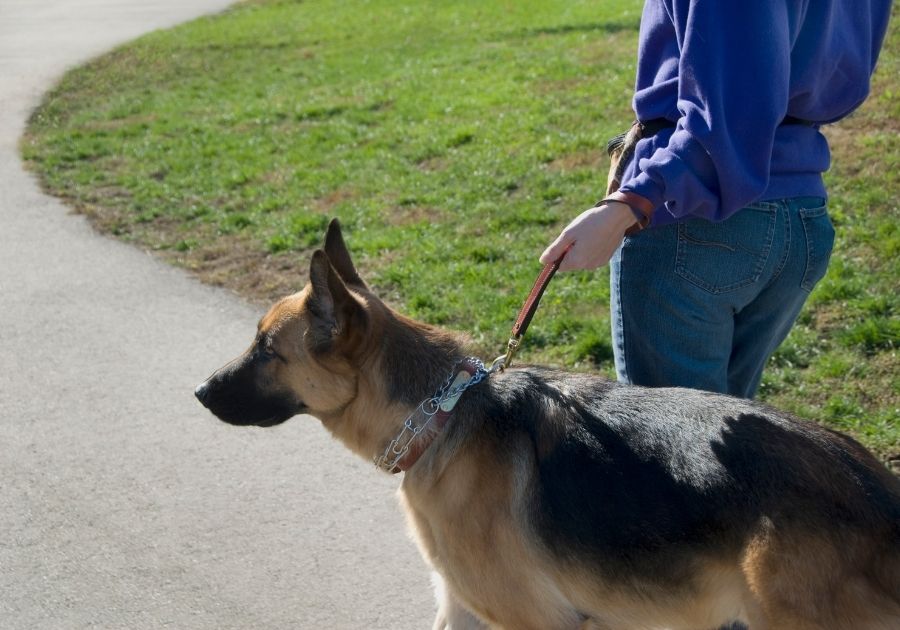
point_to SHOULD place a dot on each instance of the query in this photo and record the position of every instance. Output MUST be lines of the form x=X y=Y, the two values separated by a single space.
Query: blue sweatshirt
x=727 y=72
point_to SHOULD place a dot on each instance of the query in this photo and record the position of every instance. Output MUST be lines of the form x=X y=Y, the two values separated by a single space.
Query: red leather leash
x=530 y=306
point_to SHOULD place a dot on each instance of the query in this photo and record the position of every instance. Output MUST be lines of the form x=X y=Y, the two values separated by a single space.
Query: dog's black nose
x=202 y=391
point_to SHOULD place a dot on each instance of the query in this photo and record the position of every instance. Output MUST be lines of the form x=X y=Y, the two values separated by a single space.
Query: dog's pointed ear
x=335 y=313
x=340 y=256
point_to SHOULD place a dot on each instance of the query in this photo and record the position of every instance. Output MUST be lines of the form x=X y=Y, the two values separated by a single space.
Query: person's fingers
x=593 y=237
x=556 y=248
x=578 y=258
x=571 y=261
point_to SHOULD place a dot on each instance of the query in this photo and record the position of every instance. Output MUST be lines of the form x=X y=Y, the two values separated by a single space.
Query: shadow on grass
x=565 y=29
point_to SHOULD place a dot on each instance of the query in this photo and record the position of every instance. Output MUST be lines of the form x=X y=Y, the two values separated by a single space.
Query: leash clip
x=502 y=362
x=528 y=308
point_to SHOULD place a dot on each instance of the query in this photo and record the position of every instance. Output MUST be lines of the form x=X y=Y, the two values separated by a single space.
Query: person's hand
x=596 y=233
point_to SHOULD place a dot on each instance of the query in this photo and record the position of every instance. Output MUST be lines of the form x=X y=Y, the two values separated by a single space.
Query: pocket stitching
x=761 y=260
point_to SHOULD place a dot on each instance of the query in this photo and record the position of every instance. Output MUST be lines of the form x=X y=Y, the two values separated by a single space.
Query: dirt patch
x=232 y=261
x=407 y=215
x=324 y=205
x=240 y=265
x=433 y=164
x=594 y=159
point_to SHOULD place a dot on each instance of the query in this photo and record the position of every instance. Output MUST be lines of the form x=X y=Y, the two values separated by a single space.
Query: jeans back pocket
x=728 y=255
x=819 y=242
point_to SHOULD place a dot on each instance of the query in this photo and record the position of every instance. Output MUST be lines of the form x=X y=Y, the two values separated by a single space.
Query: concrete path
x=123 y=503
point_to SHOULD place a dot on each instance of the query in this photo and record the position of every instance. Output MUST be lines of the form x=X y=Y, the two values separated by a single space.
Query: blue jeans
x=703 y=305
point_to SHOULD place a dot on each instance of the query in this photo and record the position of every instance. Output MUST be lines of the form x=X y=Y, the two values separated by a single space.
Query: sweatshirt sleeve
x=733 y=85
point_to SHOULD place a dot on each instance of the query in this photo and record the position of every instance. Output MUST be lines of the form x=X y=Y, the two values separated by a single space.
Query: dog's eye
x=265 y=351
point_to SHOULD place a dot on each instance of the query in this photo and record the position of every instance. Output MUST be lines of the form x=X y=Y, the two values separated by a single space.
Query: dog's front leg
x=452 y=615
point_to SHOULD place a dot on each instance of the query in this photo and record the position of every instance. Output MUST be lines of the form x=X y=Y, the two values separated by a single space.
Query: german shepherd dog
x=549 y=500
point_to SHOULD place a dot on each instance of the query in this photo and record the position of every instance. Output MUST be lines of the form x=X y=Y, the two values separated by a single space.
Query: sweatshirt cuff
x=645 y=188
x=641 y=207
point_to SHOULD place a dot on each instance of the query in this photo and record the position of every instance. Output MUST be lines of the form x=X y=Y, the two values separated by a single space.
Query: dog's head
x=302 y=359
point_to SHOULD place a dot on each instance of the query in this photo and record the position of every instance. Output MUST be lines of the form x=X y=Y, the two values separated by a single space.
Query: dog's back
x=668 y=489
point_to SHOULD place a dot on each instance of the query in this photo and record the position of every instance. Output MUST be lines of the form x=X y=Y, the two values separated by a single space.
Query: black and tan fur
x=557 y=501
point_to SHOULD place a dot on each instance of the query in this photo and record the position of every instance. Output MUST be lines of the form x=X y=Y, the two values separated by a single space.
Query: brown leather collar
x=436 y=426
x=422 y=443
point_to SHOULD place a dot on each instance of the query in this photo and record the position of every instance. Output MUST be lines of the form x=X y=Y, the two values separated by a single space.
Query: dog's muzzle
x=235 y=402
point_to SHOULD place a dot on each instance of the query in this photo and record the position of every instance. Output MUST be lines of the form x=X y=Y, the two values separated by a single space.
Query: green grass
x=453 y=139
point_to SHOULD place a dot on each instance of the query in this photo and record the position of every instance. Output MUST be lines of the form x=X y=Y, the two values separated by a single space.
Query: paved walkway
x=124 y=504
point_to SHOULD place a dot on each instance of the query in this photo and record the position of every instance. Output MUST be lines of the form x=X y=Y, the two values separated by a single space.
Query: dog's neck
x=416 y=359
x=405 y=365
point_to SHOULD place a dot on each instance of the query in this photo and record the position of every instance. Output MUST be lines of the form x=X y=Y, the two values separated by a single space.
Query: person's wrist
x=642 y=209
x=623 y=214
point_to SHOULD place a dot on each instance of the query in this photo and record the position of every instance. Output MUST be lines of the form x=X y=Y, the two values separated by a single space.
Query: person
x=723 y=200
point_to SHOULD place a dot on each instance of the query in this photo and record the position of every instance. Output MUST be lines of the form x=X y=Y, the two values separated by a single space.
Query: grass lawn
x=453 y=139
